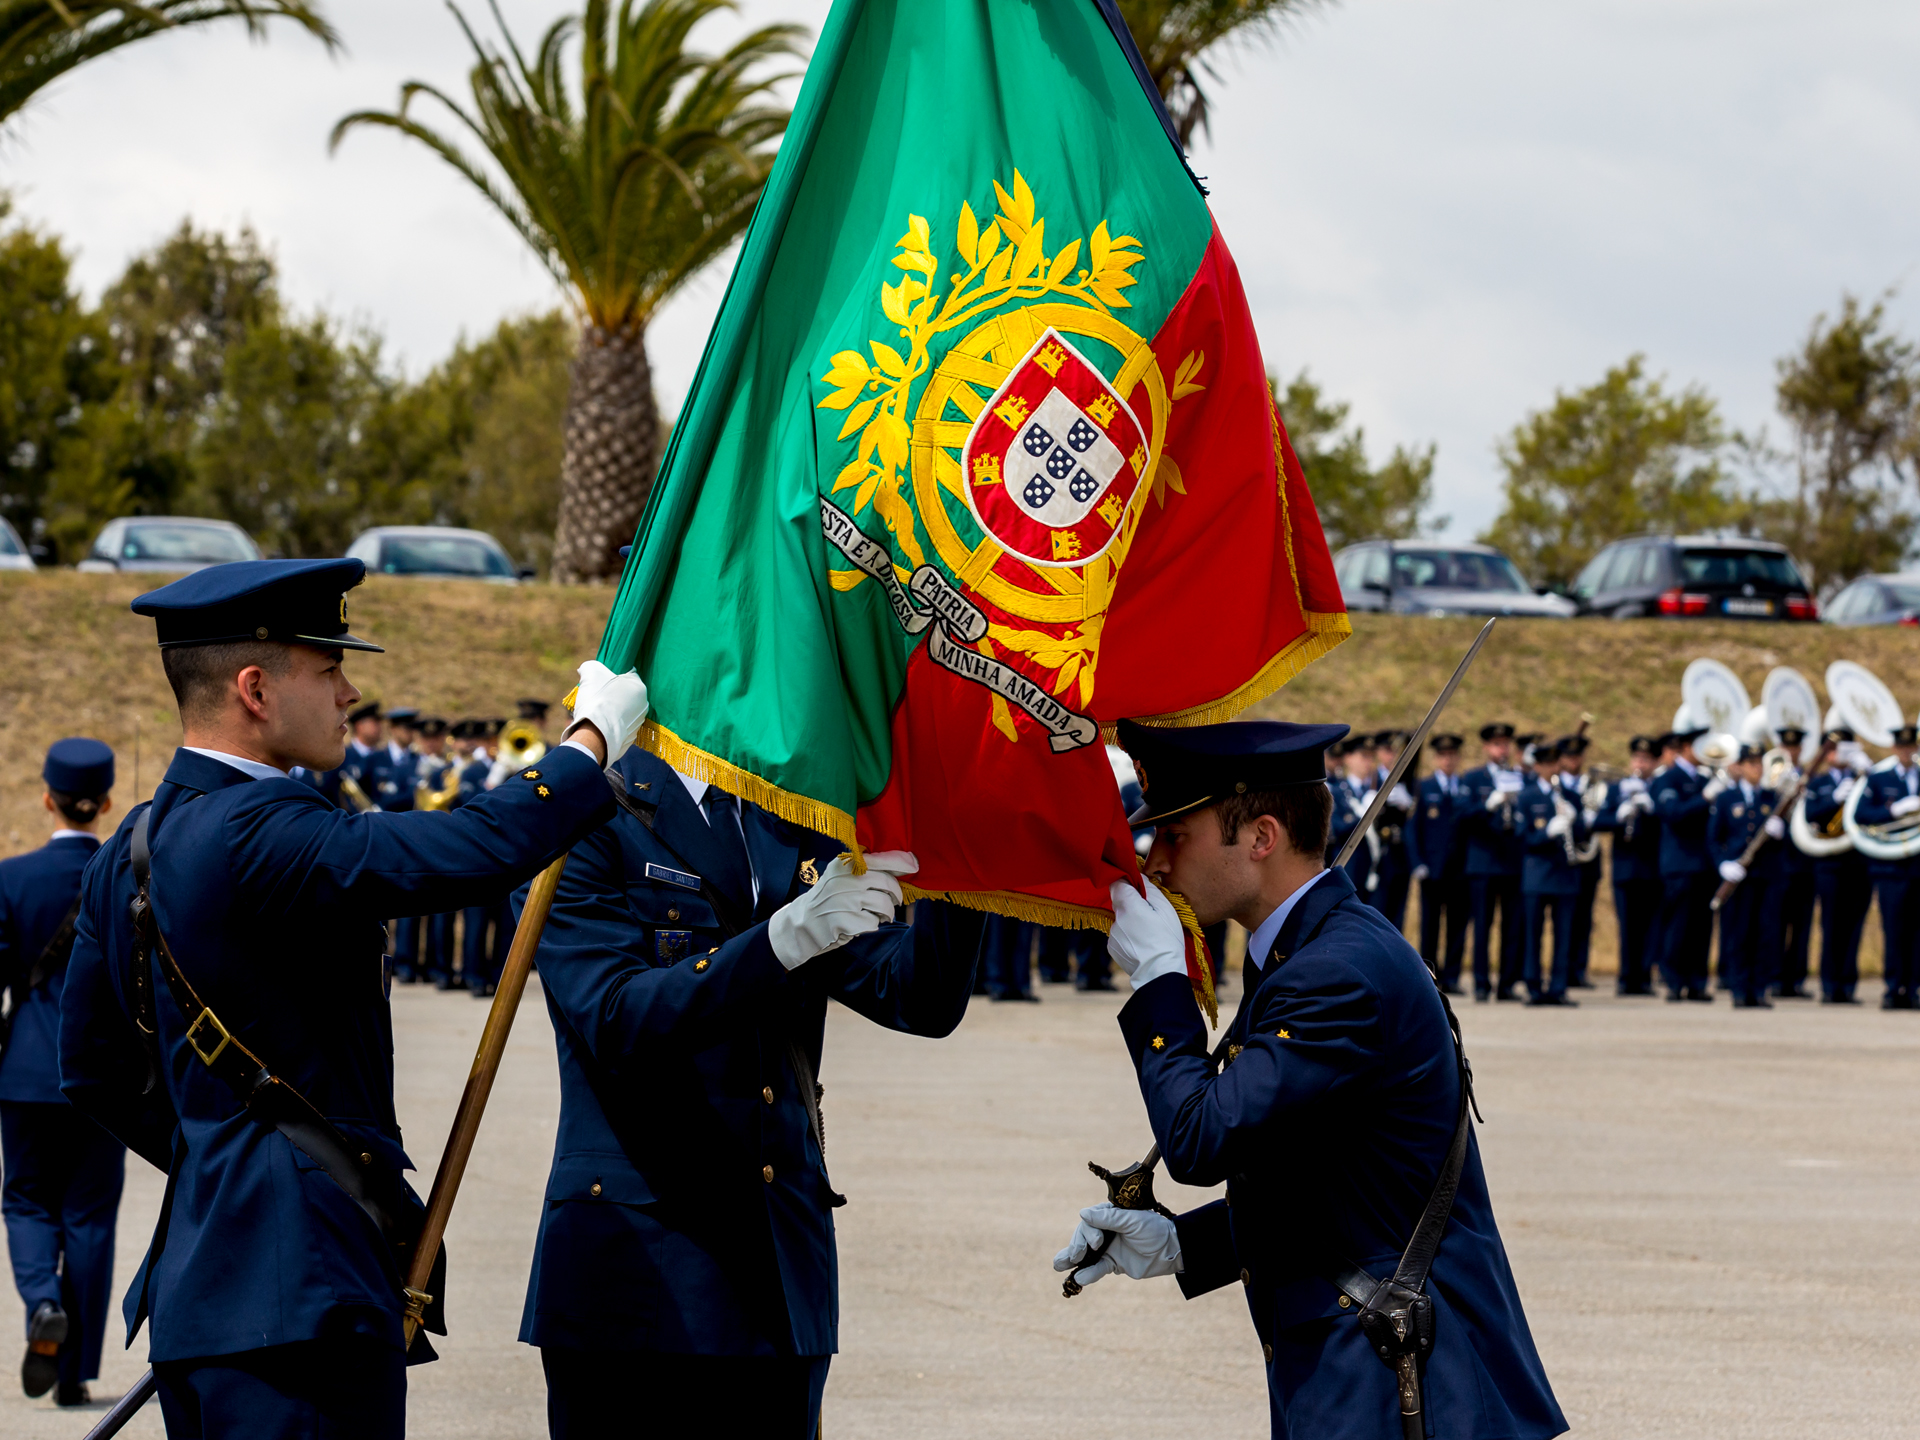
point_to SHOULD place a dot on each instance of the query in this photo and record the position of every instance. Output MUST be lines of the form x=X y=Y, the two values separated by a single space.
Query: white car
x=436 y=550
x=176 y=544
x=13 y=554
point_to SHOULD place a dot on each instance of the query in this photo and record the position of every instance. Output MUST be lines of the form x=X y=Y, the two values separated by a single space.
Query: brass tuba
x=1896 y=840
x=520 y=744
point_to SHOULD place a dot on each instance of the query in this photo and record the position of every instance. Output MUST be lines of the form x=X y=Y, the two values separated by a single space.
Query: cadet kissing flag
x=980 y=458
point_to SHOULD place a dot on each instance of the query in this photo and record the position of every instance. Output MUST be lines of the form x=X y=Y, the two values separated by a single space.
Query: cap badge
x=343 y=610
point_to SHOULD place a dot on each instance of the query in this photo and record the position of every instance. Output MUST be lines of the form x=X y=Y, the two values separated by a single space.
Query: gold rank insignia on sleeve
x=543 y=792
x=1159 y=1042
x=1283 y=1034
x=809 y=875
x=1233 y=1053
x=529 y=774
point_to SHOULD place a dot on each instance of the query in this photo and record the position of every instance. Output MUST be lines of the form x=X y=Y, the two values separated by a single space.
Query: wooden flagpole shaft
x=473 y=1101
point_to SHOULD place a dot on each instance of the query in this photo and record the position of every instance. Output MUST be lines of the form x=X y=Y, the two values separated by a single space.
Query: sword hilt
x=1127 y=1189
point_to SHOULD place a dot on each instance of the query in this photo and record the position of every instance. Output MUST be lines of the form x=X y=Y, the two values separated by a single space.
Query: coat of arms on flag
x=980 y=460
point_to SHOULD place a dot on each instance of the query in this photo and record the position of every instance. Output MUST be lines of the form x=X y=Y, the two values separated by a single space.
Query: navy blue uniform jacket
x=1682 y=807
x=1638 y=857
x=36 y=891
x=1329 y=1124
x=273 y=903
x=1493 y=841
x=1349 y=809
x=662 y=1230
x=1431 y=829
x=1883 y=789
x=1547 y=870
x=1736 y=820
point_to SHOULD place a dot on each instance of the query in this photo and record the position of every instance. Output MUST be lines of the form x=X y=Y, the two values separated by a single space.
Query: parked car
x=13 y=553
x=1876 y=600
x=1694 y=576
x=436 y=550
x=173 y=543
x=1415 y=577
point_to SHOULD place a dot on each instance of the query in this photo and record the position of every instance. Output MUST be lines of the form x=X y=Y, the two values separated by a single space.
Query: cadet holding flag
x=253 y=965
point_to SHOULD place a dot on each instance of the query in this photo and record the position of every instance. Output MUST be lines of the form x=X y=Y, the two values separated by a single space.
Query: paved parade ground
x=1711 y=1214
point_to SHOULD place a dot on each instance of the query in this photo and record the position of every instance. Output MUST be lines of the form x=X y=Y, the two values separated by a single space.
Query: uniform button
x=1345 y=1301
x=767 y=1094
x=673 y=912
x=366 y=1157
x=766 y=1173
x=1245 y=1277
x=1267 y=1350
x=594 y=1189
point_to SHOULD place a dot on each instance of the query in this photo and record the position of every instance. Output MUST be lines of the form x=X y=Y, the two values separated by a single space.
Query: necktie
x=733 y=875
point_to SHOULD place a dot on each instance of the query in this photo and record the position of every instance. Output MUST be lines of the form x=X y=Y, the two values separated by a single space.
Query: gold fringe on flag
x=1324 y=631
x=1203 y=981
x=1061 y=914
x=814 y=815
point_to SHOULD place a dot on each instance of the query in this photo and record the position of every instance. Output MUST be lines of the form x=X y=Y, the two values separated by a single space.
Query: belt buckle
x=207 y=1017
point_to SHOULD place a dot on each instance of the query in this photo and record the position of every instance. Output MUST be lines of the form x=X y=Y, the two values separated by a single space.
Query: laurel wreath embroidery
x=1005 y=262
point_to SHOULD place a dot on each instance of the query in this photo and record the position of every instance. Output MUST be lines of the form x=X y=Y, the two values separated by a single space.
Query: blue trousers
x=61 y=1198
x=1636 y=908
x=1796 y=926
x=1009 y=956
x=594 y=1394
x=352 y=1388
x=1445 y=901
x=1502 y=893
x=1845 y=891
x=1899 y=915
x=1686 y=930
x=1583 y=922
x=1750 y=937
x=483 y=949
x=1539 y=980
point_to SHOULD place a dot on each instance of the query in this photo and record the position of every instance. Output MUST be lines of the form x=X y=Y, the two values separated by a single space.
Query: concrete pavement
x=1711 y=1216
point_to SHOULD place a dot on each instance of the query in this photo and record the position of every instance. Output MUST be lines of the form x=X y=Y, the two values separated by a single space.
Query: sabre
x=1412 y=749
x=1128 y=1189
x=453 y=1160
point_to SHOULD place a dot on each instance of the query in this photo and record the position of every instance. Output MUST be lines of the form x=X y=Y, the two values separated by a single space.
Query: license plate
x=1747 y=607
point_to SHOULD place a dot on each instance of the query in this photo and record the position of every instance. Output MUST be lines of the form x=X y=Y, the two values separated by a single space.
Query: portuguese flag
x=981 y=458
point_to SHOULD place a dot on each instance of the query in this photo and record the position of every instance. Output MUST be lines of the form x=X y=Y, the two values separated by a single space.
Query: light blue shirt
x=1261 y=941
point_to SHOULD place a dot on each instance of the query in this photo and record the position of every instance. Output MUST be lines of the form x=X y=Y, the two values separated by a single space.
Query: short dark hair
x=1305 y=812
x=79 y=809
x=200 y=673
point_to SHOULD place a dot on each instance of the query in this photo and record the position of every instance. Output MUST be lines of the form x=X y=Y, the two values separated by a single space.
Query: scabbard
x=125 y=1408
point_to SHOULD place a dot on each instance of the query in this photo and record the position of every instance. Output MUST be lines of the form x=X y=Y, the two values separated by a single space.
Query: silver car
x=13 y=554
x=1876 y=600
x=1427 y=577
x=176 y=544
x=436 y=550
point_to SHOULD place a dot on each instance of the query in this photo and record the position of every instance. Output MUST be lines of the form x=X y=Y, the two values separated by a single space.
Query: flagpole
x=473 y=1101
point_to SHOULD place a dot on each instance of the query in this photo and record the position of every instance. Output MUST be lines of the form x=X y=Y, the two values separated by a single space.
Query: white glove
x=1147 y=940
x=1420 y=872
x=1775 y=827
x=1844 y=789
x=1643 y=802
x=615 y=704
x=1633 y=785
x=1496 y=799
x=1732 y=870
x=1145 y=1243
x=1625 y=810
x=1849 y=754
x=1905 y=807
x=1715 y=789
x=839 y=908
x=1560 y=826
x=1400 y=798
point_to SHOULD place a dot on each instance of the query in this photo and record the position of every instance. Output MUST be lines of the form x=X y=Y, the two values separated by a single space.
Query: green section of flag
x=909 y=108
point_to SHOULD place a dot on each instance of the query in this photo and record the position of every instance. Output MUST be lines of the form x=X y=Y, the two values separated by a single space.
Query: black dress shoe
x=1054 y=977
x=1026 y=995
x=1674 y=997
x=1891 y=1002
x=1705 y=997
x=1551 y=998
x=1481 y=997
x=1633 y=990
x=46 y=1333
x=71 y=1395
x=1838 y=1000
x=1100 y=982
x=1581 y=984
x=1506 y=994
x=1792 y=993
x=1449 y=987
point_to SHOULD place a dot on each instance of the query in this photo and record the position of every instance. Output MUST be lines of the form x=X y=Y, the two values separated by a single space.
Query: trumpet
x=441 y=797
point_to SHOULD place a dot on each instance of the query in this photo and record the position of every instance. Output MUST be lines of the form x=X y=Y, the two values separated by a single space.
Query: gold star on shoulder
x=1283 y=1034
x=543 y=792
x=1159 y=1042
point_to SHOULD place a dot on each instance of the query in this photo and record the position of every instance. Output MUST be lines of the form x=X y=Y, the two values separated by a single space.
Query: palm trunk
x=612 y=446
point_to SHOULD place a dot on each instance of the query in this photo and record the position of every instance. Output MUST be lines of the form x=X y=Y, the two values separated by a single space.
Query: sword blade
x=1412 y=749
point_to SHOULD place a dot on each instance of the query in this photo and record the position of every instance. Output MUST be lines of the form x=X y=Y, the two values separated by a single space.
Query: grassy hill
x=77 y=661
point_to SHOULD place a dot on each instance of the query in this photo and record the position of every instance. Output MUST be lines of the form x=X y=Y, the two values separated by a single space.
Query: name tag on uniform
x=670 y=946
x=668 y=876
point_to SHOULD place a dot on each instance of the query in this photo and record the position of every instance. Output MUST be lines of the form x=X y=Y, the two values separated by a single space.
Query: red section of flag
x=1228 y=499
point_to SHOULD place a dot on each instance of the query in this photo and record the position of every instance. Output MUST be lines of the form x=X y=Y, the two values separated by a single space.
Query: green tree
x=1355 y=501
x=1178 y=40
x=1852 y=397
x=42 y=40
x=624 y=186
x=1618 y=457
x=53 y=364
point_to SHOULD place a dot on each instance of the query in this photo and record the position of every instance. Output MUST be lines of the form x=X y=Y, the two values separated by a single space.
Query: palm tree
x=41 y=40
x=1174 y=37
x=624 y=190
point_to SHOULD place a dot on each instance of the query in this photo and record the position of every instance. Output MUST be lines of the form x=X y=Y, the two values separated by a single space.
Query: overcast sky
x=1446 y=209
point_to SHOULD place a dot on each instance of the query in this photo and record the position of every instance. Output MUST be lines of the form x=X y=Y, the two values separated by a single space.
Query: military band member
x=272 y=1286
x=1894 y=794
x=1351 y=796
x=686 y=1245
x=364 y=761
x=432 y=769
x=1551 y=825
x=1626 y=813
x=393 y=792
x=1396 y=869
x=1437 y=851
x=1750 y=916
x=1333 y=1119
x=1576 y=785
x=1682 y=795
x=1494 y=862
x=486 y=931
x=1797 y=892
x=63 y=1173
x=1842 y=882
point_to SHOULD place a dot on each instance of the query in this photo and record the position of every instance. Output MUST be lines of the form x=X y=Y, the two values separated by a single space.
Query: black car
x=1423 y=577
x=1877 y=600
x=1694 y=576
